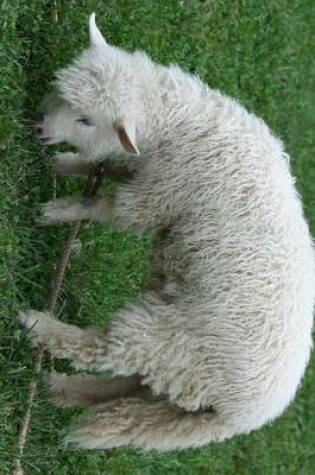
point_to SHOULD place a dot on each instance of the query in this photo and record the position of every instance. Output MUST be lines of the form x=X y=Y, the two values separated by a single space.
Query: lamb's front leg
x=72 y=164
x=88 y=390
x=67 y=210
x=86 y=348
x=134 y=207
x=75 y=164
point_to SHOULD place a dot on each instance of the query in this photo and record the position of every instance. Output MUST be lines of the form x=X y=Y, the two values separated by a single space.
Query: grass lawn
x=259 y=52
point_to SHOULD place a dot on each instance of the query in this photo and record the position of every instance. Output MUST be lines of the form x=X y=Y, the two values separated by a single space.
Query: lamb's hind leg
x=140 y=339
x=86 y=348
x=87 y=390
x=147 y=423
x=131 y=420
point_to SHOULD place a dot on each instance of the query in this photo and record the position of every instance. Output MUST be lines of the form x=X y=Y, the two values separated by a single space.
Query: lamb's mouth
x=47 y=140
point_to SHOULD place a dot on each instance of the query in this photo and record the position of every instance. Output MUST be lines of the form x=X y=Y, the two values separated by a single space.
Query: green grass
x=259 y=52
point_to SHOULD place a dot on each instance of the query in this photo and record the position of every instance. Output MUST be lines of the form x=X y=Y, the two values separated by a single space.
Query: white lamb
x=219 y=343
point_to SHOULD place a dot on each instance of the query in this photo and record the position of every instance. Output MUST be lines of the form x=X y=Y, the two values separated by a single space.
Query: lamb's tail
x=147 y=424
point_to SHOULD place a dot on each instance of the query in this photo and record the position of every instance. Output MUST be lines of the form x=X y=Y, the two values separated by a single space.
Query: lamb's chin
x=49 y=140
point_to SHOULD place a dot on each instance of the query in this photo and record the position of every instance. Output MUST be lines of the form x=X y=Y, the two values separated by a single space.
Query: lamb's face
x=62 y=123
x=93 y=105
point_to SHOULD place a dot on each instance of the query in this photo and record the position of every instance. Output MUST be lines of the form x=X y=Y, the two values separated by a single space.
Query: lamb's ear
x=126 y=132
x=96 y=37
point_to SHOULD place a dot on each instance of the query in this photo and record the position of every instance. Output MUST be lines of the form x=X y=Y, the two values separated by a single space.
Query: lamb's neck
x=175 y=102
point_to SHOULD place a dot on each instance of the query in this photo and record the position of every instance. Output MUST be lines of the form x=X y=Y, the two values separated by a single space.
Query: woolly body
x=223 y=335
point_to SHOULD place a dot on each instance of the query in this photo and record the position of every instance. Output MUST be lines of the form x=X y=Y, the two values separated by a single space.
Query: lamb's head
x=96 y=105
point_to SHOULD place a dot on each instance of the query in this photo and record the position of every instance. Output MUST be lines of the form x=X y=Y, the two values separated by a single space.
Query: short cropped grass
x=260 y=52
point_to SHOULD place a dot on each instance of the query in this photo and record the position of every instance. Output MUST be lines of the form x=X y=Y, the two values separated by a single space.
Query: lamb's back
x=245 y=253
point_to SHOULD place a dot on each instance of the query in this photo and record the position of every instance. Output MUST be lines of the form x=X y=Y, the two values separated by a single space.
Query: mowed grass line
x=258 y=52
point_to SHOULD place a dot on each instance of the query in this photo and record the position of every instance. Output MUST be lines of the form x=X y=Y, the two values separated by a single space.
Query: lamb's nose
x=37 y=123
x=39 y=117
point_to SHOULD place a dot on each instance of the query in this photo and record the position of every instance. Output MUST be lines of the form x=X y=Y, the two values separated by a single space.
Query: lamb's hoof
x=40 y=325
x=51 y=379
x=55 y=212
x=45 y=215
x=58 y=388
x=60 y=162
x=54 y=384
x=28 y=318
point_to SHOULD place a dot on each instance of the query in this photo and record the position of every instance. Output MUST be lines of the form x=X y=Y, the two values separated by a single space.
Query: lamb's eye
x=85 y=121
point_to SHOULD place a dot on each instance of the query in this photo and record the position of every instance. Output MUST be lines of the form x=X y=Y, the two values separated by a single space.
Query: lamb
x=220 y=341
